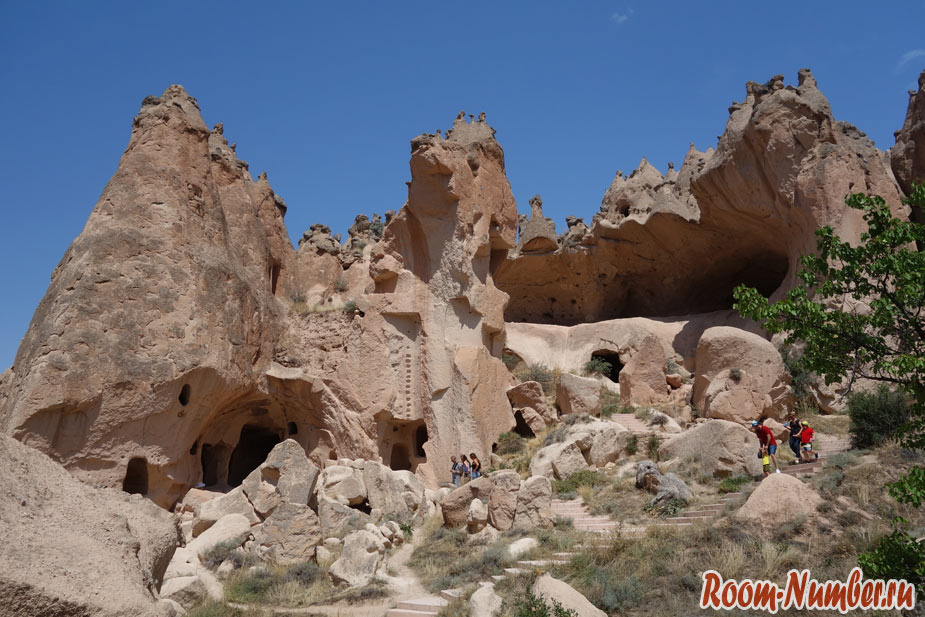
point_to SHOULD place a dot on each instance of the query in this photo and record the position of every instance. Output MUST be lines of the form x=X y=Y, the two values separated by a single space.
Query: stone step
x=539 y=563
x=451 y=594
x=592 y=519
x=670 y=522
x=684 y=518
x=428 y=604
x=514 y=571
x=497 y=578
x=700 y=514
x=564 y=555
x=404 y=612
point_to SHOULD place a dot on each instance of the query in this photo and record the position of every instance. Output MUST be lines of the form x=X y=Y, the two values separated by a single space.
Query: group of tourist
x=801 y=437
x=465 y=469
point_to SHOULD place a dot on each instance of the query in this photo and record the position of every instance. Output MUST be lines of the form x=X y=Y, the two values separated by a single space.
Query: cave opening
x=209 y=459
x=136 y=476
x=253 y=447
x=613 y=359
x=293 y=428
x=420 y=438
x=522 y=428
x=363 y=507
x=184 y=395
x=274 y=276
x=400 y=460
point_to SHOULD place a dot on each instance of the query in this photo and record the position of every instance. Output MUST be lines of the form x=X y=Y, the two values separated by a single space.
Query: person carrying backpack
x=456 y=471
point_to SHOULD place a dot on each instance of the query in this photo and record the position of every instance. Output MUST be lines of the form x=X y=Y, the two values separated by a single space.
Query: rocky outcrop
x=779 y=499
x=536 y=234
x=907 y=157
x=72 y=549
x=678 y=243
x=578 y=395
x=552 y=590
x=722 y=448
x=666 y=487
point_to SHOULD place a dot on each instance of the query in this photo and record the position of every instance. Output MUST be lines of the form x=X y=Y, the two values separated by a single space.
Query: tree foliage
x=858 y=312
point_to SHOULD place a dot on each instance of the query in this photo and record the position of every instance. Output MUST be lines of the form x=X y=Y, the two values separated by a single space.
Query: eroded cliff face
x=678 y=244
x=176 y=344
x=907 y=157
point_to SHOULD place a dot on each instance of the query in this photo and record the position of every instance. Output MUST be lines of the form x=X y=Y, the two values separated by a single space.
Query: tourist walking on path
x=456 y=471
x=476 y=466
x=794 y=426
x=767 y=441
x=807 y=435
x=466 y=469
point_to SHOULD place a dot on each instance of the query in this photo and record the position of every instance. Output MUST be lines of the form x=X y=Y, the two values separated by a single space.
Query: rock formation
x=907 y=157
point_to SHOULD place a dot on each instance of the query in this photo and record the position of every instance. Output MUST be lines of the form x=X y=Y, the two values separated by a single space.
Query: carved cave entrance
x=522 y=428
x=253 y=447
x=613 y=359
x=136 y=476
x=402 y=445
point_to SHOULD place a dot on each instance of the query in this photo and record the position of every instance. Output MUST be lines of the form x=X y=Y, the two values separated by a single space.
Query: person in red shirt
x=806 y=443
x=767 y=441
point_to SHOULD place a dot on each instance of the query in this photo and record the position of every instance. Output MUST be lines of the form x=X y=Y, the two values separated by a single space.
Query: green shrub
x=342 y=284
x=529 y=605
x=306 y=572
x=406 y=529
x=350 y=306
x=652 y=447
x=211 y=608
x=537 y=372
x=219 y=553
x=876 y=416
x=672 y=507
x=564 y=522
x=632 y=446
x=598 y=366
x=298 y=296
x=732 y=484
x=510 y=360
x=510 y=443
x=252 y=588
x=585 y=477
x=735 y=373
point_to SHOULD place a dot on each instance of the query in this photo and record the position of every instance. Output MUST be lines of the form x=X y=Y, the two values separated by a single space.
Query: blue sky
x=326 y=96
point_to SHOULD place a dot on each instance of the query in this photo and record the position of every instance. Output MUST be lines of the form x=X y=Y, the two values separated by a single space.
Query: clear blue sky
x=326 y=96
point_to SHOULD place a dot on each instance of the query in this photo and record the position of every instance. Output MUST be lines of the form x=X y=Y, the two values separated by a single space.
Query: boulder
x=323 y=556
x=530 y=394
x=71 y=549
x=740 y=376
x=187 y=591
x=552 y=589
x=476 y=516
x=359 y=560
x=609 y=445
x=663 y=423
x=541 y=463
x=344 y=484
x=642 y=380
x=231 y=528
x=519 y=548
x=335 y=517
x=456 y=504
x=534 y=504
x=502 y=503
x=289 y=535
x=578 y=395
x=234 y=502
x=397 y=493
x=779 y=499
x=194 y=498
x=488 y=535
x=484 y=602
x=723 y=448
x=666 y=487
x=674 y=380
x=287 y=476
x=780 y=431
x=569 y=460
x=533 y=419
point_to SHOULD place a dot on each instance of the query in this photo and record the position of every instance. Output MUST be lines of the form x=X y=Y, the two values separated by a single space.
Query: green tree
x=858 y=312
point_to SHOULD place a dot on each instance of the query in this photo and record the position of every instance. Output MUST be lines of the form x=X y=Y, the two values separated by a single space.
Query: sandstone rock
x=502 y=503
x=534 y=504
x=476 y=516
x=537 y=234
x=609 y=445
x=335 y=517
x=663 y=423
x=530 y=394
x=541 y=463
x=533 y=419
x=169 y=608
x=519 y=548
x=232 y=502
x=674 y=380
x=723 y=448
x=569 y=460
x=359 y=561
x=780 y=431
x=779 y=499
x=289 y=535
x=642 y=380
x=187 y=591
x=907 y=157
x=231 y=528
x=323 y=556
x=185 y=562
x=665 y=487
x=344 y=483
x=578 y=395
x=333 y=544
x=484 y=602
x=194 y=498
x=114 y=549
x=552 y=589
x=287 y=476
x=488 y=535
x=396 y=493
x=456 y=504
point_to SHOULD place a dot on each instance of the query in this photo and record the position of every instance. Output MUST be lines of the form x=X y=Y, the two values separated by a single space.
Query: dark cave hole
x=195 y=448
x=184 y=395
x=136 y=476
x=252 y=450
x=420 y=438
x=612 y=358
x=400 y=459
x=293 y=428
x=208 y=457
x=522 y=428
x=363 y=507
x=274 y=276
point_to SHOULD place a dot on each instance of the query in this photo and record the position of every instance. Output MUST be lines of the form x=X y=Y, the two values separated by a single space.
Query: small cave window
x=209 y=459
x=253 y=447
x=613 y=359
x=293 y=428
x=195 y=447
x=400 y=460
x=136 y=476
x=363 y=507
x=420 y=438
x=522 y=428
x=184 y=395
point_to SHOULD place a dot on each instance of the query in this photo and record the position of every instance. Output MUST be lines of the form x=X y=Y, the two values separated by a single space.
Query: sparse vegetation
x=735 y=373
x=510 y=443
x=220 y=552
x=297 y=297
x=585 y=477
x=652 y=444
x=445 y=560
x=537 y=372
x=732 y=484
x=632 y=446
x=342 y=284
x=529 y=605
x=510 y=360
x=598 y=366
